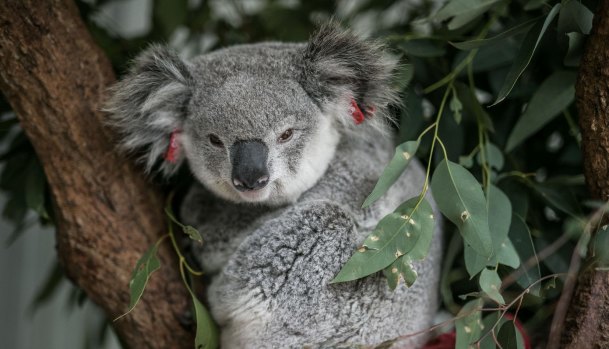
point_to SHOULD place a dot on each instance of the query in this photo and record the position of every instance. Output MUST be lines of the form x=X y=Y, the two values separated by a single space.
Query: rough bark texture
x=54 y=77
x=587 y=323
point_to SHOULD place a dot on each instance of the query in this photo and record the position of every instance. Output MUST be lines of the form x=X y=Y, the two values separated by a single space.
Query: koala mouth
x=255 y=195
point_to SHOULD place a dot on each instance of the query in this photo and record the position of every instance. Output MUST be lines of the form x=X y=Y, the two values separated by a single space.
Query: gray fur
x=272 y=256
x=148 y=104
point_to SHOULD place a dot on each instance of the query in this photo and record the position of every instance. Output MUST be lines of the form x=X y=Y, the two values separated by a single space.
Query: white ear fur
x=149 y=103
x=338 y=66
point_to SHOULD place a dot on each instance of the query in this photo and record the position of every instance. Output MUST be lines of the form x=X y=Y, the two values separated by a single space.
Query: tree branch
x=54 y=77
x=587 y=323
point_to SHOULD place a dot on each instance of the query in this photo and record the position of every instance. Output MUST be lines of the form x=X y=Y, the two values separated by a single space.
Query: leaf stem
x=433 y=143
x=449 y=78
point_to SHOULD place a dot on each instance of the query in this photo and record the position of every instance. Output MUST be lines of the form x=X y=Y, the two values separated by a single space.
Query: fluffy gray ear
x=148 y=106
x=338 y=66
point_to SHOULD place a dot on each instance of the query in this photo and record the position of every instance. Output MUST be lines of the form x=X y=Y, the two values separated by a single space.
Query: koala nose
x=249 y=165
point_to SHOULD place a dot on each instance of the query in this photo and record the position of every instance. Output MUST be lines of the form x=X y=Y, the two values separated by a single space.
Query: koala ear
x=342 y=70
x=148 y=107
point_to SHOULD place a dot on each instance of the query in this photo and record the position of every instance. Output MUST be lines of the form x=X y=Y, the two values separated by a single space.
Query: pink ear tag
x=356 y=112
x=174 y=147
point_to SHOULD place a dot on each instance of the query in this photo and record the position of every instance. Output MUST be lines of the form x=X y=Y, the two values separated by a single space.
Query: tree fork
x=587 y=321
x=55 y=78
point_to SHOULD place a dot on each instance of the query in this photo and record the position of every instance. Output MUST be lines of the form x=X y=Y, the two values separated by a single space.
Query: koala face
x=256 y=123
x=257 y=139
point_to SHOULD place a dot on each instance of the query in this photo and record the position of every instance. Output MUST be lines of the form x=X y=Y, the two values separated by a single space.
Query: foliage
x=488 y=91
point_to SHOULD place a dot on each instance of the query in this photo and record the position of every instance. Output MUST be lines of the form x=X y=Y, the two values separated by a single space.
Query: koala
x=285 y=142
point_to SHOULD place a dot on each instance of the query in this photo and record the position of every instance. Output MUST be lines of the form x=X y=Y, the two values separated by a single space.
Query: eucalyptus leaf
x=554 y=95
x=463 y=11
x=521 y=237
x=574 y=17
x=408 y=230
x=468 y=324
x=497 y=39
x=456 y=107
x=490 y=283
x=462 y=201
x=499 y=215
x=575 y=50
x=145 y=266
x=401 y=268
x=403 y=154
x=422 y=48
x=525 y=53
x=474 y=263
x=493 y=156
x=206 y=335
x=559 y=197
x=488 y=323
x=473 y=106
x=507 y=254
x=510 y=337
x=192 y=233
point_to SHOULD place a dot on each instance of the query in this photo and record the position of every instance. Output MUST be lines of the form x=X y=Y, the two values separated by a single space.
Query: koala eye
x=286 y=135
x=215 y=141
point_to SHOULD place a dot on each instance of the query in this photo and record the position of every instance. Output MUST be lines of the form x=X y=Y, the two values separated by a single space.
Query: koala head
x=256 y=123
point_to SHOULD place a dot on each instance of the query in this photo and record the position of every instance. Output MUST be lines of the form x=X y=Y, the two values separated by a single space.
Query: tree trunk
x=587 y=322
x=107 y=215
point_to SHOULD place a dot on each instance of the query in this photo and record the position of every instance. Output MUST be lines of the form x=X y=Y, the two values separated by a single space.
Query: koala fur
x=279 y=116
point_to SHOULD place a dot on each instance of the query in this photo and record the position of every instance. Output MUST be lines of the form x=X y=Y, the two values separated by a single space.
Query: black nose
x=249 y=165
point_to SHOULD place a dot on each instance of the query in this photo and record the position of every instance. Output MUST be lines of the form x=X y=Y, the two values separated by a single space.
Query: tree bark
x=107 y=215
x=587 y=322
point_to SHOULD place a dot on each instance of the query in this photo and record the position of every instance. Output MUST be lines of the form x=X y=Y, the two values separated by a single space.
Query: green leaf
x=206 y=336
x=401 y=268
x=559 y=197
x=466 y=161
x=574 y=17
x=575 y=50
x=408 y=230
x=145 y=266
x=456 y=107
x=422 y=48
x=499 y=215
x=490 y=283
x=403 y=154
x=192 y=233
x=463 y=11
x=508 y=255
x=494 y=156
x=468 y=324
x=461 y=200
x=499 y=38
x=521 y=237
x=474 y=263
x=525 y=53
x=510 y=337
x=554 y=95
x=534 y=4
x=472 y=105
x=488 y=323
